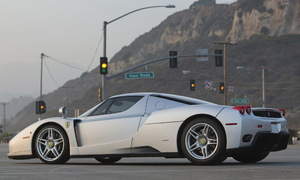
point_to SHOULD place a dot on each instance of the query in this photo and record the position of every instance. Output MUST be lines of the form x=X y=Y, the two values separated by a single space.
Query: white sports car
x=156 y=125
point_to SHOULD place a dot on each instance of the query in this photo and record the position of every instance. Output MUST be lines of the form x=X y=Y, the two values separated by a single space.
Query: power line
x=63 y=63
x=50 y=74
x=95 y=53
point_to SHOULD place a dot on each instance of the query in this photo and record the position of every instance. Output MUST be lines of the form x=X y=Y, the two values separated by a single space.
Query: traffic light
x=40 y=107
x=103 y=65
x=193 y=85
x=173 y=59
x=219 y=56
x=222 y=88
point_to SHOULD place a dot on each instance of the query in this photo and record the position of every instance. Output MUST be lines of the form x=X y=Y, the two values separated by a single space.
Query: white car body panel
x=110 y=132
x=152 y=122
x=21 y=144
x=165 y=138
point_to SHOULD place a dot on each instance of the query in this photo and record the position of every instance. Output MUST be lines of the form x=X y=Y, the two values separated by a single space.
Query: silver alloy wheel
x=50 y=144
x=201 y=141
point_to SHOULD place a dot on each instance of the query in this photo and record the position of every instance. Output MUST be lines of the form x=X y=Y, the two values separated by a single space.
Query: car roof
x=194 y=100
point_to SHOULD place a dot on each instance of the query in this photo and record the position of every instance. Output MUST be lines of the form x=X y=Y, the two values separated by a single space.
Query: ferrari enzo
x=155 y=125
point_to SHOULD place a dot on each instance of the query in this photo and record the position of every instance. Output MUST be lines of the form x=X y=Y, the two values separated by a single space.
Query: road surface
x=280 y=165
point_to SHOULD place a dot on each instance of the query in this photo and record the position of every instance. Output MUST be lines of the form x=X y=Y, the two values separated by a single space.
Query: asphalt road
x=280 y=165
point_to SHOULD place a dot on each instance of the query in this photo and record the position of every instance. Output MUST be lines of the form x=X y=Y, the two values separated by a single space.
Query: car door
x=109 y=129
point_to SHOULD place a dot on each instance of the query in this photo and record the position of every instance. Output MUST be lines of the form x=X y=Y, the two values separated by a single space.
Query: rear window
x=176 y=100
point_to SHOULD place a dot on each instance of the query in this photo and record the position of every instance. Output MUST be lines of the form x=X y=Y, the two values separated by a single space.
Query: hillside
x=14 y=106
x=267 y=33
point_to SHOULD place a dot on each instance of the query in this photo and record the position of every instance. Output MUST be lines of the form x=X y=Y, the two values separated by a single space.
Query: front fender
x=21 y=144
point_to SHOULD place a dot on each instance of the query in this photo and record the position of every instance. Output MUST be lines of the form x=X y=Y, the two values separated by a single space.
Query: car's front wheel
x=51 y=145
x=204 y=142
x=250 y=157
x=108 y=160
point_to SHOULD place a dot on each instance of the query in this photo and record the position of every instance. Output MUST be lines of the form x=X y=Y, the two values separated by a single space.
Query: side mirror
x=63 y=111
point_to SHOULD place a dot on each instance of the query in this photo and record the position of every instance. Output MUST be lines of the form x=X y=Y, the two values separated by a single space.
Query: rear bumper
x=265 y=142
x=271 y=142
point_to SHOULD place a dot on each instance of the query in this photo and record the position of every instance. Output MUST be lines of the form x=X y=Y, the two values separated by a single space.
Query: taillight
x=243 y=109
x=283 y=111
x=249 y=110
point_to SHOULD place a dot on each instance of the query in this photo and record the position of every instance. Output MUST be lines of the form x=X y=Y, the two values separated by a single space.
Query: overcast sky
x=67 y=30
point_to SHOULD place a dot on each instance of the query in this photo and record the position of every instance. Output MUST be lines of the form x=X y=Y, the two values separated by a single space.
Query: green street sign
x=240 y=101
x=140 y=75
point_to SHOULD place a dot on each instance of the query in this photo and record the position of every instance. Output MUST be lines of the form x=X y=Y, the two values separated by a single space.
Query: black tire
x=108 y=160
x=65 y=150
x=219 y=153
x=250 y=157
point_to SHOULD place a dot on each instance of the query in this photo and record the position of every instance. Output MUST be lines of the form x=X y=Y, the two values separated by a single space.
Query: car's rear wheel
x=108 y=160
x=51 y=145
x=203 y=142
x=250 y=157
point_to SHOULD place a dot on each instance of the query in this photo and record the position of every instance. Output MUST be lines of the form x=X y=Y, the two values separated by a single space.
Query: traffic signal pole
x=102 y=83
x=263 y=88
x=105 y=23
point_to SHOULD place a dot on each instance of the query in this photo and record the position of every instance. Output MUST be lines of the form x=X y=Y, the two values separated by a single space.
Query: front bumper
x=21 y=157
x=265 y=142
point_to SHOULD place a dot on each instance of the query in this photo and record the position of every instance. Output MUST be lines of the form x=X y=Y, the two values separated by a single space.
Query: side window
x=102 y=108
x=122 y=104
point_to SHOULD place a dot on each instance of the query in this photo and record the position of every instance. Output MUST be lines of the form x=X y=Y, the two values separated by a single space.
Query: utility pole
x=41 y=81
x=225 y=48
x=225 y=74
x=4 y=116
x=263 y=88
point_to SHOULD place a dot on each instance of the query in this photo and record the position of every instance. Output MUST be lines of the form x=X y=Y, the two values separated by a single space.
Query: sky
x=67 y=30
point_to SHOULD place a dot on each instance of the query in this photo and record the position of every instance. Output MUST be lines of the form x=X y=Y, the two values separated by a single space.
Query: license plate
x=276 y=128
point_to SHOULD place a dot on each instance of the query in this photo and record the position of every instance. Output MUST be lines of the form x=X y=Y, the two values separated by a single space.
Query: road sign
x=208 y=84
x=240 y=101
x=140 y=75
x=185 y=72
x=202 y=52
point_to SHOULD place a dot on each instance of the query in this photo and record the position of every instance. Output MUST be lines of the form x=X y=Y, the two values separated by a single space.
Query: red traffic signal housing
x=221 y=88
x=40 y=107
x=193 y=85
x=173 y=59
x=219 y=56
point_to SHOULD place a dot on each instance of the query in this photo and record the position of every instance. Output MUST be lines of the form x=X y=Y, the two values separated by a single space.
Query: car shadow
x=264 y=164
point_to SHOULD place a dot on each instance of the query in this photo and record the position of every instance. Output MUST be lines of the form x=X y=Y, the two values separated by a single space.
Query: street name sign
x=140 y=75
